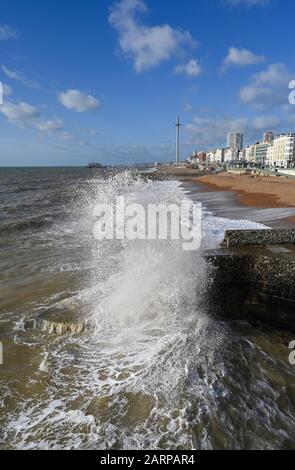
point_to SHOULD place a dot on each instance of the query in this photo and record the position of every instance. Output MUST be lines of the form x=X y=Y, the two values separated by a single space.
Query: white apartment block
x=248 y=154
x=245 y=154
x=269 y=156
x=210 y=158
x=220 y=155
x=231 y=154
x=215 y=156
x=281 y=154
x=241 y=155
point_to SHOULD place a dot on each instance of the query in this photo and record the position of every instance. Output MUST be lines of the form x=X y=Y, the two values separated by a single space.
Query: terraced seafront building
x=281 y=153
x=259 y=153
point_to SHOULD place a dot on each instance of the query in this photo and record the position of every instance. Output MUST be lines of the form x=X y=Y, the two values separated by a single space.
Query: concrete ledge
x=251 y=284
x=240 y=238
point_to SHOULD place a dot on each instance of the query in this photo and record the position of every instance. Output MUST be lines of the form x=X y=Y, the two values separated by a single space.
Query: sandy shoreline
x=258 y=191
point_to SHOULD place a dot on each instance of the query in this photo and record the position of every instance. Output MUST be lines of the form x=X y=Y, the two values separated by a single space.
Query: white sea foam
x=156 y=371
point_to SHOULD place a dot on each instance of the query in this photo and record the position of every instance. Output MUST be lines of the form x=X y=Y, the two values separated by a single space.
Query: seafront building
x=269 y=156
x=268 y=137
x=273 y=152
x=202 y=157
x=247 y=154
x=281 y=154
x=231 y=154
x=235 y=140
x=258 y=153
x=211 y=157
x=215 y=156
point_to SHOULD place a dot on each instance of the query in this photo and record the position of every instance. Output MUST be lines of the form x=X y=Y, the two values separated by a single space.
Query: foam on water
x=155 y=371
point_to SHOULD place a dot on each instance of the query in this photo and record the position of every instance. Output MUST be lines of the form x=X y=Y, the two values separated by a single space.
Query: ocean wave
x=22 y=225
x=154 y=370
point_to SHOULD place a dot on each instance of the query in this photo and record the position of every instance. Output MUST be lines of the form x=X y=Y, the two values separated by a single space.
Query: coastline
x=150 y=305
x=274 y=195
x=256 y=192
x=260 y=191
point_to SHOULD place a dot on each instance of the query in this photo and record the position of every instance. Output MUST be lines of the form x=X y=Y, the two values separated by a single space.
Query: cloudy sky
x=104 y=80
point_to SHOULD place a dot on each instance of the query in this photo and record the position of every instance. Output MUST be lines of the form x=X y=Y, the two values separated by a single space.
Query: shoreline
x=248 y=192
x=256 y=192
x=260 y=191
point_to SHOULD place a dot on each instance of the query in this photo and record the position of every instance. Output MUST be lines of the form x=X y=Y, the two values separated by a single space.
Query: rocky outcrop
x=61 y=323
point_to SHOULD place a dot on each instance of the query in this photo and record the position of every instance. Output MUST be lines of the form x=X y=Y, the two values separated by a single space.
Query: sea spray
x=155 y=371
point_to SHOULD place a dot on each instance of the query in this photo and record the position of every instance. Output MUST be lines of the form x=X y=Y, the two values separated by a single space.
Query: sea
x=107 y=344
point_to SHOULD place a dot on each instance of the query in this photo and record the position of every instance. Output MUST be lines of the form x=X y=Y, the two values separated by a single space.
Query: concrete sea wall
x=253 y=277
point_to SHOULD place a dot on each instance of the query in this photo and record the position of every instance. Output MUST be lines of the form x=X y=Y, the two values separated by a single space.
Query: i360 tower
x=178 y=125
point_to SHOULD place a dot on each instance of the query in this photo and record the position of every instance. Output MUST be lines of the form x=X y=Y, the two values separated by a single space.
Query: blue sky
x=102 y=80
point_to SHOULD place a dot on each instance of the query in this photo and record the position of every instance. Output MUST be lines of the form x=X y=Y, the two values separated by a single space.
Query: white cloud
x=191 y=68
x=7 y=90
x=136 y=153
x=93 y=132
x=25 y=115
x=257 y=96
x=6 y=32
x=21 y=114
x=266 y=122
x=187 y=108
x=19 y=76
x=268 y=88
x=210 y=132
x=275 y=74
x=66 y=136
x=147 y=46
x=55 y=125
x=248 y=3
x=205 y=133
x=78 y=101
x=241 y=58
